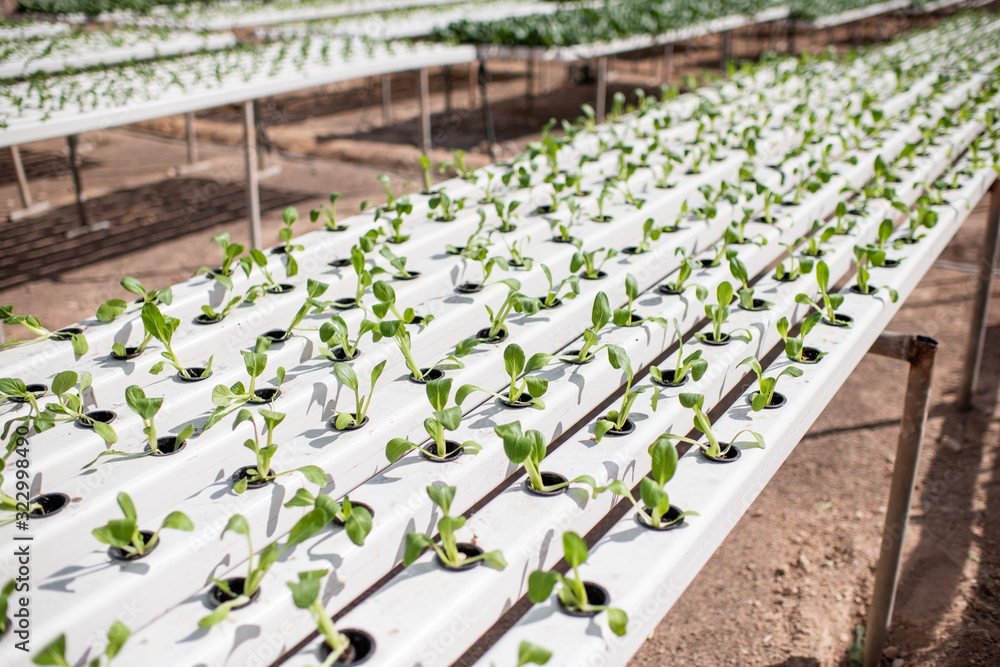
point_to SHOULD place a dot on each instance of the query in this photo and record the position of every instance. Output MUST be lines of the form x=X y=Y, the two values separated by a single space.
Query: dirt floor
x=794 y=577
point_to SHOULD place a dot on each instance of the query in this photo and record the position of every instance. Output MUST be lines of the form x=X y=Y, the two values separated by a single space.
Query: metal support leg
x=920 y=352
x=981 y=306
x=386 y=99
x=22 y=179
x=253 y=180
x=664 y=73
x=260 y=129
x=446 y=74
x=192 y=139
x=725 y=47
x=74 y=167
x=491 y=135
x=425 y=111
x=529 y=82
x=602 y=87
x=473 y=82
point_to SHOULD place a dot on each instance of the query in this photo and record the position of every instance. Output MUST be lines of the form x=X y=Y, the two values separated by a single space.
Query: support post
x=919 y=351
x=602 y=87
x=425 y=111
x=491 y=135
x=791 y=37
x=446 y=74
x=664 y=73
x=725 y=48
x=529 y=82
x=981 y=305
x=253 y=180
x=386 y=99
x=74 y=167
x=260 y=130
x=192 y=139
x=473 y=82
x=22 y=179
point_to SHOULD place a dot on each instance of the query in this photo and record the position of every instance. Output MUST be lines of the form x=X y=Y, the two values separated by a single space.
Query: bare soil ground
x=794 y=577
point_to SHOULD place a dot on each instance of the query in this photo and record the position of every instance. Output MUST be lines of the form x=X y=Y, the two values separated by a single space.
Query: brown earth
x=794 y=577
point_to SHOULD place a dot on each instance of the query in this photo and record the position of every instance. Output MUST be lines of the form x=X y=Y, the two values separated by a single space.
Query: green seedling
x=146 y=408
x=112 y=308
x=258 y=259
x=867 y=256
x=305 y=595
x=425 y=168
x=794 y=346
x=555 y=293
x=922 y=217
x=797 y=266
x=515 y=302
x=228 y=399
x=395 y=217
x=312 y=303
x=830 y=302
x=162 y=328
x=14 y=389
x=684 y=274
x=261 y=471
x=69 y=404
x=626 y=317
x=528 y=449
x=55 y=653
x=515 y=249
x=600 y=315
x=230 y=254
x=397 y=331
x=719 y=313
x=506 y=214
x=617 y=419
x=448 y=207
x=124 y=533
x=602 y=199
x=356 y=519
x=764 y=395
x=588 y=261
x=447 y=551
x=531 y=389
x=473 y=238
x=532 y=654
x=844 y=225
x=345 y=373
x=396 y=262
x=31 y=323
x=814 y=241
x=650 y=233
x=328 y=214
x=255 y=574
x=288 y=218
x=739 y=271
x=442 y=419
x=713 y=448
x=693 y=363
x=572 y=593
x=336 y=334
x=480 y=253
x=458 y=163
x=655 y=500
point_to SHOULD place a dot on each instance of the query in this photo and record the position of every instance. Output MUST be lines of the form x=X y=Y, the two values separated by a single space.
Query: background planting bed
x=79 y=591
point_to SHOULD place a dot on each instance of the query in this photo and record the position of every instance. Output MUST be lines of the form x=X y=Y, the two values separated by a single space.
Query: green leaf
x=53 y=654
x=136 y=400
x=118 y=634
x=178 y=521
x=617 y=620
x=540 y=585
x=111 y=309
x=536 y=386
x=396 y=447
x=346 y=375
x=449 y=418
x=358 y=524
x=574 y=549
x=415 y=545
x=314 y=474
x=464 y=391
x=528 y=653
x=237 y=524
x=442 y=496
x=310 y=524
x=600 y=314
x=513 y=359
x=437 y=392
x=664 y=459
x=62 y=382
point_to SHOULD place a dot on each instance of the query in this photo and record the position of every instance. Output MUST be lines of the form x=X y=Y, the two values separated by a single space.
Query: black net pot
x=117 y=553
x=600 y=276
x=88 y=418
x=253 y=484
x=130 y=353
x=571 y=358
x=361 y=649
x=548 y=479
x=666 y=290
x=51 y=504
x=452 y=451
x=36 y=390
x=787 y=278
x=483 y=335
x=730 y=455
x=709 y=339
x=265 y=395
x=516 y=405
x=281 y=288
x=455 y=250
x=345 y=303
x=555 y=304
x=349 y=427
x=339 y=354
x=469 y=550
x=631 y=250
x=626 y=428
x=842 y=320
x=635 y=319
x=429 y=375
x=597 y=596
x=668 y=379
x=469 y=288
x=669 y=518
x=336 y=228
x=277 y=335
x=708 y=263
x=601 y=218
x=66 y=334
x=167 y=446
x=216 y=595
x=756 y=305
x=412 y=275
x=778 y=400
x=340 y=263
x=563 y=239
x=205 y=320
x=194 y=374
x=810 y=355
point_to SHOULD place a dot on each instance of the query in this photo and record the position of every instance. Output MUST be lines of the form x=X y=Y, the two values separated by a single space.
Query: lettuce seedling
x=335 y=334
x=399 y=209
x=473 y=237
x=921 y=217
x=15 y=509
x=588 y=261
x=797 y=266
x=146 y=408
x=31 y=323
x=684 y=274
x=712 y=448
x=69 y=404
x=479 y=252
x=425 y=167
x=345 y=373
x=261 y=471
x=650 y=233
x=447 y=551
x=265 y=559
x=814 y=241
x=14 y=389
x=305 y=595
x=112 y=308
x=228 y=399
x=532 y=387
x=258 y=259
x=843 y=225
x=458 y=163
x=764 y=395
x=210 y=314
x=442 y=419
x=55 y=652
x=770 y=199
x=528 y=449
x=626 y=317
x=396 y=262
x=314 y=290
x=830 y=301
x=448 y=207
x=532 y=654
x=162 y=328
x=572 y=592
x=866 y=256
x=739 y=271
x=506 y=214
x=516 y=252
x=616 y=419
x=693 y=363
x=552 y=296
x=288 y=218
x=602 y=199
x=124 y=533
x=397 y=331
x=654 y=497
x=600 y=315
x=328 y=214
x=230 y=254
x=390 y=199
x=515 y=302
x=795 y=346
x=357 y=520
x=719 y=313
